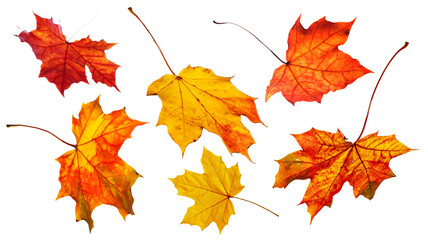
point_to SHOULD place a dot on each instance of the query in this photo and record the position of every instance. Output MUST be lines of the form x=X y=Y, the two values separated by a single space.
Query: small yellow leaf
x=211 y=191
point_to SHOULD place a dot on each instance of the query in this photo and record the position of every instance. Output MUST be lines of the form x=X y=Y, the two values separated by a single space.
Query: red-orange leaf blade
x=330 y=161
x=63 y=62
x=315 y=65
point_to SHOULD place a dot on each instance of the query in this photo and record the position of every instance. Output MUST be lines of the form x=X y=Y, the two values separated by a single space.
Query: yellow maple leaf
x=211 y=191
x=196 y=99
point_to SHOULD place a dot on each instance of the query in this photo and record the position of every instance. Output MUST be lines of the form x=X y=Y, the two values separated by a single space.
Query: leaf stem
x=374 y=91
x=41 y=129
x=133 y=13
x=254 y=37
x=256 y=205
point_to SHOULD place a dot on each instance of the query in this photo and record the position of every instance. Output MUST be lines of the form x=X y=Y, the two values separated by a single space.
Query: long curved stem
x=254 y=37
x=133 y=13
x=256 y=205
x=41 y=129
x=374 y=91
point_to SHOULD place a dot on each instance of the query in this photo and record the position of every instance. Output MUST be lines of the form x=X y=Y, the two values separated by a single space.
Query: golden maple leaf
x=196 y=99
x=93 y=173
x=211 y=191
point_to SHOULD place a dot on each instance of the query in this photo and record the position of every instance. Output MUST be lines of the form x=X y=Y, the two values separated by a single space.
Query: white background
x=184 y=29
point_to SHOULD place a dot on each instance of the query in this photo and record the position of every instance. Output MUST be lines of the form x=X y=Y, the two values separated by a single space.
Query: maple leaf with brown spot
x=330 y=161
x=64 y=62
x=93 y=173
x=314 y=64
x=212 y=192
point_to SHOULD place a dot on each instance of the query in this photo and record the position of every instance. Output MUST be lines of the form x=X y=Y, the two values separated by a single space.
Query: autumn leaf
x=212 y=192
x=314 y=64
x=329 y=160
x=93 y=173
x=196 y=99
x=64 y=62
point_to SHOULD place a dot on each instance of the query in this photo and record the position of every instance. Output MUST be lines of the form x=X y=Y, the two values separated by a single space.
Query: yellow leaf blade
x=211 y=192
x=196 y=99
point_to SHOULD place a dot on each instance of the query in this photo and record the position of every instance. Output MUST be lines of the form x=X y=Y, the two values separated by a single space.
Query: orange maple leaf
x=64 y=62
x=212 y=192
x=196 y=99
x=330 y=161
x=93 y=173
x=314 y=64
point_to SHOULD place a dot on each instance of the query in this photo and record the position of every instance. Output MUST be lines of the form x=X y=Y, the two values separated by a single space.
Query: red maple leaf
x=64 y=62
x=314 y=64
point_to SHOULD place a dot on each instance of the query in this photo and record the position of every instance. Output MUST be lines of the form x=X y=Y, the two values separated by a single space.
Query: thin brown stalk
x=133 y=13
x=256 y=205
x=254 y=37
x=374 y=91
x=41 y=129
